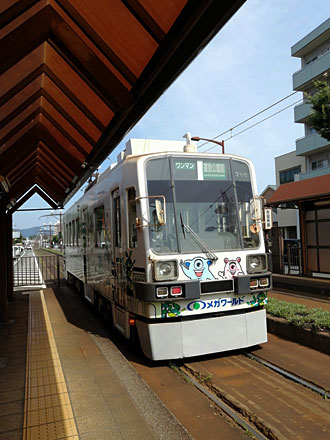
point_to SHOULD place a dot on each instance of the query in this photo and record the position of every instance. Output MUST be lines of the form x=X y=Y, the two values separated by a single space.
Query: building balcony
x=301 y=112
x=310 y=144
x=311 y=72
x=312 y=40
x=314 y=173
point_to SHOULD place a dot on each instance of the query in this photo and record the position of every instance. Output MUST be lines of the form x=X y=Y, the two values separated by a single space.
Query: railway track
x=231 y=390
x=256 y=432
x=248 y=421
x=288 y=375
x=265 y=400
x=243 y=393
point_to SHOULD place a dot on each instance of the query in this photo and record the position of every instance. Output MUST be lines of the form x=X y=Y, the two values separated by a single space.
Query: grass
x=177 y=370
x=300 y=315
x=53 y=251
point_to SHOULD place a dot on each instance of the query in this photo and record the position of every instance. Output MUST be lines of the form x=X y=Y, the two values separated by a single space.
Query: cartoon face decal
x=197 y=269
x=232 y=268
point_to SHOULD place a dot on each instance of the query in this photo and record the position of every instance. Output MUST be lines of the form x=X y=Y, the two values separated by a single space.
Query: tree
x=320 y=116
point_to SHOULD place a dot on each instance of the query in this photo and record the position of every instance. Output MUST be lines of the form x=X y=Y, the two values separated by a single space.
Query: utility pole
x=58 y=216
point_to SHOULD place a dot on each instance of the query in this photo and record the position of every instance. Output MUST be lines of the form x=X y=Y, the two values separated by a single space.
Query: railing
x=37 y=271
x=315 y=173
x=294 y=259
x=314 y=60
x=289 y=263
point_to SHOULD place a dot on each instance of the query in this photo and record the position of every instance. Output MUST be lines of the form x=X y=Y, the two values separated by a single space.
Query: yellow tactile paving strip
x=47 y=413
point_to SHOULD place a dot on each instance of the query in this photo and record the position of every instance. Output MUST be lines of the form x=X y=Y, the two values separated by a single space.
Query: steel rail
x=226 y=408
x=289 y=375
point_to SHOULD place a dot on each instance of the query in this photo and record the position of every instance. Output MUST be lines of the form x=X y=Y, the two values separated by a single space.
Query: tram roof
x=77 y=75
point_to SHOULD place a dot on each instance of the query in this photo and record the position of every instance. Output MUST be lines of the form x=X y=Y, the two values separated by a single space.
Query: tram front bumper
x=181 y=339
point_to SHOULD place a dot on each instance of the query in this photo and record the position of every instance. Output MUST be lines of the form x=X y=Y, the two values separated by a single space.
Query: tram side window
x=77 y=231
x=85 y=227
x=244 y=195
x=116 y=210
x=73 y=233
x=99 y=227
x=70 y=235
x=132 y=231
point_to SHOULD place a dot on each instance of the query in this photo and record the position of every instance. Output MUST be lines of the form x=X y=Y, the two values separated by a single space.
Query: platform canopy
x=77 y=75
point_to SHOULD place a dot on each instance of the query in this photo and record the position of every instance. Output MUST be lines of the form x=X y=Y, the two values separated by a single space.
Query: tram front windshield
x=207 y=198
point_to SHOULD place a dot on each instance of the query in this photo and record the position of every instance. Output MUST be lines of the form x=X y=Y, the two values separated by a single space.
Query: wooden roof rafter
x=77 y=75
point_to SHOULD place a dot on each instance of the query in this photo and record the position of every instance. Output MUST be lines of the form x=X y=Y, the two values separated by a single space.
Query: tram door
x=117 y=259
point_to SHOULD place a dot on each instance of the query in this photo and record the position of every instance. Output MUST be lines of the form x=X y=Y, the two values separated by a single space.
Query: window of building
x=291 y=232
x=317 y=165
x=287 y=176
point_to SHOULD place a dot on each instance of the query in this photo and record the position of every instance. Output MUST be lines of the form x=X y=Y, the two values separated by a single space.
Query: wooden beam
x=10 y=268
x=146 y=20
x=9 y=13
x=4 y=263
x=29 y=33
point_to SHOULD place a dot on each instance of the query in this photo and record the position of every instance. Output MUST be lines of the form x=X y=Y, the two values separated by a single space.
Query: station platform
x=62 y=378
x=313 y=286
x=294 y=296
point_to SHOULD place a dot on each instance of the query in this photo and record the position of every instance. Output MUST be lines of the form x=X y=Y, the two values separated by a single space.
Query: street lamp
x=221 y=143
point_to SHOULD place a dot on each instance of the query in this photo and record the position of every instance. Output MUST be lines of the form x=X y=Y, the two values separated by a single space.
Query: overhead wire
x=252 y=117
x=265 y=119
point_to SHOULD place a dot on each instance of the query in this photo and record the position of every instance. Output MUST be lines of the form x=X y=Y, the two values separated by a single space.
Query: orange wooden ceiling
x=77 y=75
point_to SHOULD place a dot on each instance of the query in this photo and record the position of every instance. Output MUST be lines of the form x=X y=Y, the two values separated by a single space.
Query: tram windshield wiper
x=210 y=255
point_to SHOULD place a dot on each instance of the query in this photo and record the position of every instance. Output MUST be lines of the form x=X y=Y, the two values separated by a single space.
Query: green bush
x=300 y=315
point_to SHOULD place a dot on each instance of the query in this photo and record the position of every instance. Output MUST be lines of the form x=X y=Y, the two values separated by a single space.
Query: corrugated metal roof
x=302 y=190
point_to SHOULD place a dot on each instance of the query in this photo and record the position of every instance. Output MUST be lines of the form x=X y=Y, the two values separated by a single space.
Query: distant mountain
x=30 y=231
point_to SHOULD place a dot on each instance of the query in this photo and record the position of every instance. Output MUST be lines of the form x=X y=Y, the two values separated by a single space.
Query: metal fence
x=37 y=271
x=294 y=259
x=289 y=263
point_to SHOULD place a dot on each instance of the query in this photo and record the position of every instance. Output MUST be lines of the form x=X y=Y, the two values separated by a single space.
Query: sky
x=246 y=68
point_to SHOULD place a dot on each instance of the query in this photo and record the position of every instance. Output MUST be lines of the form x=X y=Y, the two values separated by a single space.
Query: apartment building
x=303 y=175
x=314 y=53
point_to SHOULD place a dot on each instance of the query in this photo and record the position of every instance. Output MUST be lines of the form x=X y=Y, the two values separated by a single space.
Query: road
x=36 y=268
x=27 y=270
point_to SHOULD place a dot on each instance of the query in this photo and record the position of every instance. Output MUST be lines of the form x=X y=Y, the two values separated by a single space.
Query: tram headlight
x=256 y=263
x=165 y=270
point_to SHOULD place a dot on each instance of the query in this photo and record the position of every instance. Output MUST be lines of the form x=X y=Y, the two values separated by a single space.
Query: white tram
x=168 y=242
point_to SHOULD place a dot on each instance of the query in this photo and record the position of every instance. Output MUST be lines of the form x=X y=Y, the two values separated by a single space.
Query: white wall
x=286 y=162
x=288 y=217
